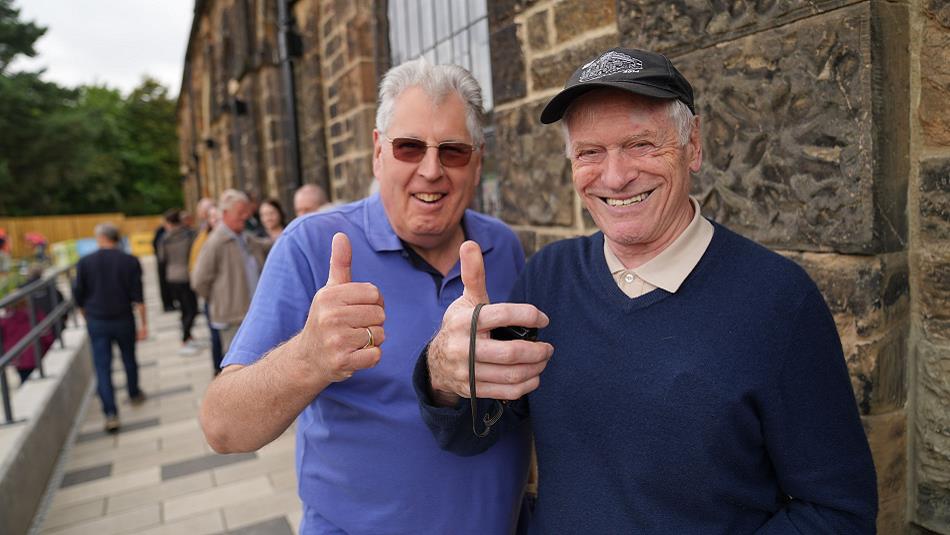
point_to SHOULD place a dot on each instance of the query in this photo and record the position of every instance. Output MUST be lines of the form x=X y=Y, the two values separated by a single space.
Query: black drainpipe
x=284 y=33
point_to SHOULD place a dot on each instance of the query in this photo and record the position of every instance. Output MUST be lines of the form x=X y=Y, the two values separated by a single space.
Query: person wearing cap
x=346 y=301
x=697 y=383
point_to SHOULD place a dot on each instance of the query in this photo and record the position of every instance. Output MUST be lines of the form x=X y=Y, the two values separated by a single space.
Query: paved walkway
x=157 y=475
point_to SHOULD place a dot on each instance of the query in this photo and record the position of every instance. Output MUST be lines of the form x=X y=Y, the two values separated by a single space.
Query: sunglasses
x=451 y=153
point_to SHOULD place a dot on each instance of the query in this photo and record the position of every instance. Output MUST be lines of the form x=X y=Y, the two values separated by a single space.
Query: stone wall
x=355 y=50
x=930 y=265
x=234 y=112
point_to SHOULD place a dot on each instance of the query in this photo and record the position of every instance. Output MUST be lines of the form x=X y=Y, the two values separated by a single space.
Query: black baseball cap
x=637 y=71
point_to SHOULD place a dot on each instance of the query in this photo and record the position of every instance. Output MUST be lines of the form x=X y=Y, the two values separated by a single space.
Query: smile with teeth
x=628 y=201
x=428 y=197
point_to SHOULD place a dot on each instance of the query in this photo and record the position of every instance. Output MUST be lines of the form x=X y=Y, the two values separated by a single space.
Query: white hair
x=437 y=81
x=230 y=197
x=108 y=231
x=678 y=112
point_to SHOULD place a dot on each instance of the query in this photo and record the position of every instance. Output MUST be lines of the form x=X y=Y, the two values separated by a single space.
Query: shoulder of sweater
x=753 y=262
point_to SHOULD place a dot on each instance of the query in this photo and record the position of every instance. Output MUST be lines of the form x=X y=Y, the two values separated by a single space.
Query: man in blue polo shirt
x=346 y=301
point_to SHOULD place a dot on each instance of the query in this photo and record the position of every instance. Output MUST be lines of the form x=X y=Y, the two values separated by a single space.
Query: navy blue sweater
x=723 y=408
x=107 y=282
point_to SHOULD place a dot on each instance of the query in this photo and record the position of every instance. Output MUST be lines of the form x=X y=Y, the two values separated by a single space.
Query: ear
x=377 y=153
x=696 y=145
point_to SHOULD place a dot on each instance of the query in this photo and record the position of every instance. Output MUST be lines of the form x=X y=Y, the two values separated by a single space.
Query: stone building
x=826 y=134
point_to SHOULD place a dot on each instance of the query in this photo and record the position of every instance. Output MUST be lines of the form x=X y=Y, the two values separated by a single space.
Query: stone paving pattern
x=158 y=475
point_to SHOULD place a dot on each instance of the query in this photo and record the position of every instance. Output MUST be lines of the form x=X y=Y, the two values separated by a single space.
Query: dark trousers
x=217 y=355
x=102 y=333
x=182 y=294
x=167 y=302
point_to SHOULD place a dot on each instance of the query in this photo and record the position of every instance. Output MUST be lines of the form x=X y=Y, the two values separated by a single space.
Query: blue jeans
x=101 y=334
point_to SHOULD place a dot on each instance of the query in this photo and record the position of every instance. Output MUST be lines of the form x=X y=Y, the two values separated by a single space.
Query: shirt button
x=628 y=278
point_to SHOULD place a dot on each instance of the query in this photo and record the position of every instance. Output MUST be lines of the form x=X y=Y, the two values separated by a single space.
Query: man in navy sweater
x=697 y=383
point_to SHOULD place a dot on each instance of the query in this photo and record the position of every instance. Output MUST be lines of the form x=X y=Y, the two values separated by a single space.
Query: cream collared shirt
x=668 y=269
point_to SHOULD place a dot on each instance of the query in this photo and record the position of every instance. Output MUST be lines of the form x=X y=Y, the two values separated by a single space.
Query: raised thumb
x=341 y=258
x=473 y=273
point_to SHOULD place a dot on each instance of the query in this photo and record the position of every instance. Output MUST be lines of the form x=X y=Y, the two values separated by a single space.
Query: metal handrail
x=37 y=329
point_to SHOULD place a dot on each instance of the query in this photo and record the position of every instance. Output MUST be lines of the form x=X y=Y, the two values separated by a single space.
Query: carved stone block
x=933 y=437
x=538 y=35
x=553 y=70
x=534 y=175
x=508 y=64
x=574 y=17
x=934 y=282
x=935 y=199
x=935 y=73
x=674 y=26
x=887 y=436
x=788 y=134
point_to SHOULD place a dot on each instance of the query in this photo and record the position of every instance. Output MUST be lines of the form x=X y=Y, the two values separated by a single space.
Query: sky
x=111 y=42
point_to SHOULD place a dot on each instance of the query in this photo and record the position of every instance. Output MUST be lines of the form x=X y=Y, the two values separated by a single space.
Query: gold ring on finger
x=369 y=339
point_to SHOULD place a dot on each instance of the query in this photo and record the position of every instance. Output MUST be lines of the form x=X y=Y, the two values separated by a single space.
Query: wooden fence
x=73 y=227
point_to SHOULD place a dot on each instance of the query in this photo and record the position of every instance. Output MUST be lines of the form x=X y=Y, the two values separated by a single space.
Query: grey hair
x=437 y=81
x=231 y=196
x=677 y=111
x=108 y=231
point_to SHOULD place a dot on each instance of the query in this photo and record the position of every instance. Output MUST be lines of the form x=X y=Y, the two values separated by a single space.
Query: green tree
x=16 y=37
x=84 y=150
x=150 y=152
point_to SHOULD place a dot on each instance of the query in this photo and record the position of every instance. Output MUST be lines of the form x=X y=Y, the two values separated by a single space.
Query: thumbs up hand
x=504 y=370
x=344 y=328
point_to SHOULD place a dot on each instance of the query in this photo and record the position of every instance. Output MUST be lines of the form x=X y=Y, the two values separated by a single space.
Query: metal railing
x=29 y=294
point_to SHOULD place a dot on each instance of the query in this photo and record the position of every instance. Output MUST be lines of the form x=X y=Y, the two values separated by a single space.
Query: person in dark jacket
x=174 y=250
x=168 y=303
x=108 y=292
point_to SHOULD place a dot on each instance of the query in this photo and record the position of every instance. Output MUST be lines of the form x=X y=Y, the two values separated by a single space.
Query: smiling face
x=425 y=201
x=631 y=171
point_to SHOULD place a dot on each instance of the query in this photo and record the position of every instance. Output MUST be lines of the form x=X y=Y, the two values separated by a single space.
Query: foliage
x=82 y=150
x=16 y=37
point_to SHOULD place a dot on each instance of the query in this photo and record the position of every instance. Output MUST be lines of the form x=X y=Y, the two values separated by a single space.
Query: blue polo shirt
x=366 y=462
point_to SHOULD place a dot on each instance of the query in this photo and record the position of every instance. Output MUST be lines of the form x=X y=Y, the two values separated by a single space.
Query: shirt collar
x=670 y=268
x=230 y=234
x=382 y=237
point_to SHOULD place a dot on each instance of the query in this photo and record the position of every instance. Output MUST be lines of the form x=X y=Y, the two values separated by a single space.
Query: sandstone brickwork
x=931 y=263
x=237 y=108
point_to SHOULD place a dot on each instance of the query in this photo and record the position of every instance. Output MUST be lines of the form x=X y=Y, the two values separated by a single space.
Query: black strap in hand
x=489 y=419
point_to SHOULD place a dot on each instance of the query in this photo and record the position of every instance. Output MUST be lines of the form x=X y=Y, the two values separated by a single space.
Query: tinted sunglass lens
x=409 y=150
x=454 y=154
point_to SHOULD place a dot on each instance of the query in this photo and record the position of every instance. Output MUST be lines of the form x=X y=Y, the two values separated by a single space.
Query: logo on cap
x=612 y=62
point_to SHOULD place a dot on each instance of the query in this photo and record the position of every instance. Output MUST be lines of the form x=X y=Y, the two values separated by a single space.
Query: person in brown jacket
x=229 y=266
